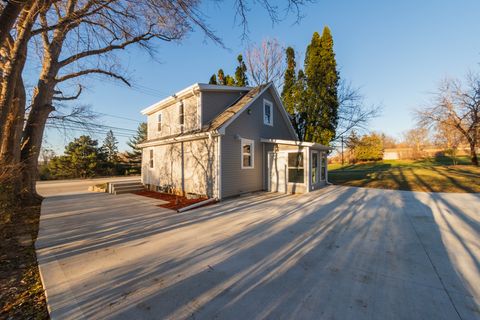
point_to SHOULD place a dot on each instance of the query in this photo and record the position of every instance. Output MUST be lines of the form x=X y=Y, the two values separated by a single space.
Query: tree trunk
x=8 y=17
x=13 y=125
x=15 y=62
x=32 y=140
x=473 y=154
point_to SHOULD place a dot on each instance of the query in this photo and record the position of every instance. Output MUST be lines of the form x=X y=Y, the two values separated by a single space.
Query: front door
x=277 y=167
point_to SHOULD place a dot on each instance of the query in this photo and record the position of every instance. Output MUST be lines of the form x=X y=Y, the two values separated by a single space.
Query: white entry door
x=277 y=177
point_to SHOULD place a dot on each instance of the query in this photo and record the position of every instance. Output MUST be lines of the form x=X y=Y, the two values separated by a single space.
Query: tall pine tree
x=213 y=79
x=322 y=80
x=241 y=79
x=289 y=88
x=135 y=156
x=110 y=148
x=221 y=77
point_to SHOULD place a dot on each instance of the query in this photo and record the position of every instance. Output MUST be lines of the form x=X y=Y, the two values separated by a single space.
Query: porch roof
x=312 y=145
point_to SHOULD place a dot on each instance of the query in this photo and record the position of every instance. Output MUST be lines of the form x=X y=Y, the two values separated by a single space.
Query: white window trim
x=270 y=104
x=305 y=172
x=181 y=106
x=252 y=152
x=159 y=121
x=151 y=158
x=317 y=175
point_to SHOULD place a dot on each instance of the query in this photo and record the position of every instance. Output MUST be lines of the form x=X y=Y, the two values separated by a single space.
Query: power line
x=97 y=125
x=136 y=87
x=89 y=130
x=119 y=117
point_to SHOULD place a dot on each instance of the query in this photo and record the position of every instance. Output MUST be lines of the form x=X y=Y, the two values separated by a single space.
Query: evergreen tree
x=213 y=79
x=135 y=156
x=290 y=87
x=241 y=79
x=229 y=81
x=81 y=160
x=221 y=77
x=322 y=81
x=110 y=148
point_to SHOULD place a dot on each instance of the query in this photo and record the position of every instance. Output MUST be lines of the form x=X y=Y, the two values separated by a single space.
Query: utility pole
x=342 y=151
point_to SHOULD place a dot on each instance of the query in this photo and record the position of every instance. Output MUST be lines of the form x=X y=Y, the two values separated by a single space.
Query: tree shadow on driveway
x=345 y=253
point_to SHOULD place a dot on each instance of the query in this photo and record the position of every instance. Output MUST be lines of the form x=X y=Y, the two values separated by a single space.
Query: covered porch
x=294 y=167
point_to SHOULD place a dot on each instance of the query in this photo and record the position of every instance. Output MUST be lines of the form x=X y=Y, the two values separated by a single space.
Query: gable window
x=159 y=122
x=295 y=167
x=151 y=158
x=247 y=152
x=181 y=114
x=267 y=112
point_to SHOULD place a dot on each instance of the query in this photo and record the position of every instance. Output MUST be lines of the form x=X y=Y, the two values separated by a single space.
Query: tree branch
x=88 y=71
x=144 y=37
x=64 y=98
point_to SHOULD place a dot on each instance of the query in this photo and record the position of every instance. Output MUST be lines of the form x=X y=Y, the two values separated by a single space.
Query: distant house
x=221 y=141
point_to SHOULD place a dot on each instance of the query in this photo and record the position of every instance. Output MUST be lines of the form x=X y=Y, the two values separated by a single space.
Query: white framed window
x=159 y=122
x=323 y=166
x=267 y=112
x=247 y=153
x=315 y=166
x=181 y=114
x=296 y=172
x=151 y=158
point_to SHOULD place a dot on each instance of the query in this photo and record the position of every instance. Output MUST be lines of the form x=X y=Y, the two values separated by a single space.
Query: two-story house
x=222 y=141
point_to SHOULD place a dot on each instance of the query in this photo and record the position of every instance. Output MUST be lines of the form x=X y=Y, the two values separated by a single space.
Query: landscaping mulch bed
x=175 y=202
x=21 y=290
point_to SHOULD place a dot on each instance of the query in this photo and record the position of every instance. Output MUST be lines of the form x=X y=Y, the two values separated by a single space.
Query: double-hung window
x=181 y=114
x=295 y=167
x=151 y=158
x=247 y=152
x=159 y=122
x=267 y=112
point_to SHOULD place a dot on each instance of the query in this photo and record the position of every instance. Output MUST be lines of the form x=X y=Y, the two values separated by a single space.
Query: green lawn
x=433 y=175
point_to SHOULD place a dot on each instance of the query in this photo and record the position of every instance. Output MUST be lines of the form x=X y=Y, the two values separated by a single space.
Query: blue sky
x=395 y=51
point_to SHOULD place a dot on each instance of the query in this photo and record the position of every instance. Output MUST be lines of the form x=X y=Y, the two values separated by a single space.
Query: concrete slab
x=337 y=253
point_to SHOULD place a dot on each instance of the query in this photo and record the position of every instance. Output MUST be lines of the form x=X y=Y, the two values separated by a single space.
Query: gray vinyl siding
x=214 y=102
x=236 y=180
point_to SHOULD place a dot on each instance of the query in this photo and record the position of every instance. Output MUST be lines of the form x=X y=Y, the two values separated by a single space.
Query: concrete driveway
x=337 y=253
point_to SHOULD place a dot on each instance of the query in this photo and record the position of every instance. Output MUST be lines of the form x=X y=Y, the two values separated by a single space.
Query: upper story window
x=267 y=112
x=247 y=153
x=181 y=114
x=159 y=122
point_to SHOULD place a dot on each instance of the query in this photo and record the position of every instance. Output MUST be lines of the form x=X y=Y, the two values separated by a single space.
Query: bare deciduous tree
x=417 y=139
x=448 y=139
x=457 y=105
x=265 y=62
x=353 y=113
x=78 y=38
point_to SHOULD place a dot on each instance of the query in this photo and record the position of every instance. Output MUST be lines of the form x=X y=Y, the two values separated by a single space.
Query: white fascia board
x=196 y=136
x=297 y=143
x=171 y=99
x=187 y=91
x=285 y=115
x=245 y=107
x=216 y=87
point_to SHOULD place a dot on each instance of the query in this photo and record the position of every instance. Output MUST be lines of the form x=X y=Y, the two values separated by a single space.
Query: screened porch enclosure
x=295 y=167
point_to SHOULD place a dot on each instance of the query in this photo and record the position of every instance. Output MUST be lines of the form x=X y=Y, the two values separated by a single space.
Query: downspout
x=219 y=167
